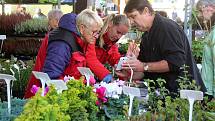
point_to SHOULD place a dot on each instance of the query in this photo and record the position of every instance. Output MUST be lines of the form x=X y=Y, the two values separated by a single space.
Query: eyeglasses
x=94 y=33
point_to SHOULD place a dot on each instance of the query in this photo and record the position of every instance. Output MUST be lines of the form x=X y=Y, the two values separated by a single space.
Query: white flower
x=16 y=66
x=115 y=96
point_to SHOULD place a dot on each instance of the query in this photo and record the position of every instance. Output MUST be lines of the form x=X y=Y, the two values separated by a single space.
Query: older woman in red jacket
x=64 y=48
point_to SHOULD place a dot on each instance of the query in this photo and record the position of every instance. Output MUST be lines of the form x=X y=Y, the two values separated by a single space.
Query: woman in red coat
x=105 y=48
x=64 y=48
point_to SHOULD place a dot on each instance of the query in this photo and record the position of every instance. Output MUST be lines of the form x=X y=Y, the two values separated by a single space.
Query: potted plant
x=28 y=38
x=8 y=22
x=32 y=27
x=21 y=71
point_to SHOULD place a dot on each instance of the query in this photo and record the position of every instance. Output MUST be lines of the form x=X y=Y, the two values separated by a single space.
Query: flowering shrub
x=76 y=103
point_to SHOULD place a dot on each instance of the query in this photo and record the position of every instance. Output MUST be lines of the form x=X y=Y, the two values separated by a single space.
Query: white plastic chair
x=8 y=79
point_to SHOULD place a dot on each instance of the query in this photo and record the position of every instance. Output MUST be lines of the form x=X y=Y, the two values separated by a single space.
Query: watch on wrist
x=145 y=67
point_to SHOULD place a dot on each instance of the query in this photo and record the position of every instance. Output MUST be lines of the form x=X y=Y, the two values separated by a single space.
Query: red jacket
x=77 y=60
x=109 y=54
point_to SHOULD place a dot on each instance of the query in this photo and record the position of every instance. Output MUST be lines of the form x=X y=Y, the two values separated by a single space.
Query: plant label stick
x=7 y=79
x=87 y=73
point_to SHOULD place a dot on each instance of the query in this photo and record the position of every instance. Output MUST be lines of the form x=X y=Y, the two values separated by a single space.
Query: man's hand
x=135 y=64
x=123 y=74
x=133 y=49
x=126 y=74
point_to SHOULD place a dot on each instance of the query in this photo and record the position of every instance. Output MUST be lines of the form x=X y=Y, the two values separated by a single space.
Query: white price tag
x=131 y=91
x=41 y=76
x=60 y=85
x=2 y=37
x=87 y=73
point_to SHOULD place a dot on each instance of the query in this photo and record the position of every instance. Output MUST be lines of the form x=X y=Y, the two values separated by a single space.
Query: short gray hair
x=204 y=3
x=55 y=14
x=87 y=17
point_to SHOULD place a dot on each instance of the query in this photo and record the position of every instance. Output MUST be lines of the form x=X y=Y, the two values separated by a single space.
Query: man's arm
x=159 y=66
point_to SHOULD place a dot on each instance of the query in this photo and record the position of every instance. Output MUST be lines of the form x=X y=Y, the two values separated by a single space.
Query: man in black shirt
x=164 y=47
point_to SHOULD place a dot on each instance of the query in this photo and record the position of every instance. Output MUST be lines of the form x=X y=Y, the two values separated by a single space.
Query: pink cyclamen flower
x=35 y=89
x=104 y=99
x=97 y=103
x=92 y=80
x=101 y=94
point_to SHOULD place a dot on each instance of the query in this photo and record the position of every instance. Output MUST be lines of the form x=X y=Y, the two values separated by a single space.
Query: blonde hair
x=116 y=20
x=87 y=17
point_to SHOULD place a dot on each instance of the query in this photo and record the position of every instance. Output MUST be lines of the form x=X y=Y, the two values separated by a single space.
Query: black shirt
x=167 y=41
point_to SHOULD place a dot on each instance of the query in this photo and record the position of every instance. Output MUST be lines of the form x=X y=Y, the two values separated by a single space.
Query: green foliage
x=184 y=81
x=47 y=1
x=123 y=48
x=16 y=109
x=197 y=50
x=117 y=109
x=162 y=107
x=76 y=104
x=32 y=26
x=21 y=75
x=154 y=96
